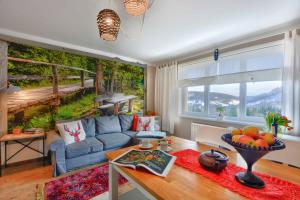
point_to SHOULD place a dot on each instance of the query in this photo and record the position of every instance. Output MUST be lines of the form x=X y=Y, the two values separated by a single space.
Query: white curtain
x=166 y=95
x=291 y=79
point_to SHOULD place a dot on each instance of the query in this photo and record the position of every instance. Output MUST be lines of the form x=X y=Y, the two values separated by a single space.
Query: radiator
x=207 y=134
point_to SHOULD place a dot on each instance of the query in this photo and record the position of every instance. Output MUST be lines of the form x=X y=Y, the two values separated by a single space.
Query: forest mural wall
x=74 y=100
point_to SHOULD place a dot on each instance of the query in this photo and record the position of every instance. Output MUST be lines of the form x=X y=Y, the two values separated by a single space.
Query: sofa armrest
x=58 y=157
x=157 y=125
x=57 y=142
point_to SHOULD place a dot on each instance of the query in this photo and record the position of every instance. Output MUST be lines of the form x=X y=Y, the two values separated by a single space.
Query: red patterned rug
x=275 y=189
x=81 y=185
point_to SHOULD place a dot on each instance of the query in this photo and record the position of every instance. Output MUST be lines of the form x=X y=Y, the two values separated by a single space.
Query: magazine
x=156 y=161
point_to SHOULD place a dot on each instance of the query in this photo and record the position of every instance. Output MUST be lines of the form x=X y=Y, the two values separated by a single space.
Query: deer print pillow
x=71 y=132
x=145 y=124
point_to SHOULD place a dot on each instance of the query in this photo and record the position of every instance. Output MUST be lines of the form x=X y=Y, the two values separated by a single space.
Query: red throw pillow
x=135 y=122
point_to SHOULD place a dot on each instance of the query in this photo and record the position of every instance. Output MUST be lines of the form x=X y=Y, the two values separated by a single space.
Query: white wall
x=183 y=125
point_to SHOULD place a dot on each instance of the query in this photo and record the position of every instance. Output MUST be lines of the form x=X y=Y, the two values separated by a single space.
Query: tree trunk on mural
x=55 y=80
x=112 y=78
x=82 y=79
x=55 y=89
x=3 y=87
x=100 y=89
x=19 y=117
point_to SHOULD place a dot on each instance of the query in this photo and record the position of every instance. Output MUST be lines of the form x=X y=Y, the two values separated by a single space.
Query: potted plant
x=221 y=111
x=17 y=130
x=150 y=113
x=281 y=121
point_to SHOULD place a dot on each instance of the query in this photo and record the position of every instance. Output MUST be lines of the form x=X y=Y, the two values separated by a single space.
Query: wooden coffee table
x=184 y=184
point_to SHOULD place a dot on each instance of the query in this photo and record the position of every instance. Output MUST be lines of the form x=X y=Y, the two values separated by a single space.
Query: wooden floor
x=19 y=182
x=24 y=98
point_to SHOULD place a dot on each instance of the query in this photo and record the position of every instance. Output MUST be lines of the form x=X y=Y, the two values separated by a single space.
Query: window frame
x=242 y=115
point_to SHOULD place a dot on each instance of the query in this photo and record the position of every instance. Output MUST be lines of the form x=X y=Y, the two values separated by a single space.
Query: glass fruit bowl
x=251 y=155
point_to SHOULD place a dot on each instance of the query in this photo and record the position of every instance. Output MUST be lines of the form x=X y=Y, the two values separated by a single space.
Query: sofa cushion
x=107 y=124
x=71 y=132
x=131 y=134
x=89 y=145
x=146 y=124
x=126 y=122
x=113 y=140
x=89 y=126
x=85 y=160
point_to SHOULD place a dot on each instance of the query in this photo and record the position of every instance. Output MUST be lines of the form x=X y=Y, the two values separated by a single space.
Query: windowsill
x=290 y=138
x=226 y=122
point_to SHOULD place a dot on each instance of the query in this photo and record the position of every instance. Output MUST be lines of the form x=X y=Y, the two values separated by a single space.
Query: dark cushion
x=87 y=146
x=131 y=134
x=114 y=140
x=107 y=124
x=126 y=122
x=89 y=126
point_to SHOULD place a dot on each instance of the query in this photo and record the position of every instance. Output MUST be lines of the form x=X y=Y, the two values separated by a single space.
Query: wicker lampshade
x=136 y=7
x=108 y=24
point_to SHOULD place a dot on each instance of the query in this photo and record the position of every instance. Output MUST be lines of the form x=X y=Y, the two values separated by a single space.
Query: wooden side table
x=17 y=139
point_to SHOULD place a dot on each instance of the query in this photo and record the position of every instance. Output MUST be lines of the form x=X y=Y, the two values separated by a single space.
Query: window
x=195 y=99
x=245 y=84
x=225 y=96
x=263 y=97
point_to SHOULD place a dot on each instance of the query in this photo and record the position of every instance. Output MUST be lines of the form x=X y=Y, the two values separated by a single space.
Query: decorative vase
x=251 y=155
x=220 y=116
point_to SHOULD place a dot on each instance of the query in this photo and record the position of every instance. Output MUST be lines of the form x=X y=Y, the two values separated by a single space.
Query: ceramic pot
x=17 y=131
x=213 y=160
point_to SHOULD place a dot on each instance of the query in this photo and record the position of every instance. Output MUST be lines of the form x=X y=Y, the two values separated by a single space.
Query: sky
x=253 y=88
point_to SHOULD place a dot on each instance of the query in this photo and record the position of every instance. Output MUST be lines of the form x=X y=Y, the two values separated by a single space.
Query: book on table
x=155 y=161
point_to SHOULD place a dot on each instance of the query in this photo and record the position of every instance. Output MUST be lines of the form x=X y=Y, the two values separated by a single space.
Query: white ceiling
x=172 y=29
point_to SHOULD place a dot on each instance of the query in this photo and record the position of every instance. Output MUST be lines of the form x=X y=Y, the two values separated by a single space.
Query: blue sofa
x=103 y=134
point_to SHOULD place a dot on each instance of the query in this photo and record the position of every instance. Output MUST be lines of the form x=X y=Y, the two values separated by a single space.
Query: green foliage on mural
x=45 y=55
x=125 y=78
x=118 y=77
x=74 y=110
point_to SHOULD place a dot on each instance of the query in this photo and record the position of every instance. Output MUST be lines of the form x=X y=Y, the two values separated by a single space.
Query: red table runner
x=275 y=188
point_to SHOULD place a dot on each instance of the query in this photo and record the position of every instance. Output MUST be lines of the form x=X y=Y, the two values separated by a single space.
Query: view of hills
x=257 y=105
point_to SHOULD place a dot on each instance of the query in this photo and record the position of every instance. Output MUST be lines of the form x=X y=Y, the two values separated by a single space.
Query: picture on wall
x=47 y=86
